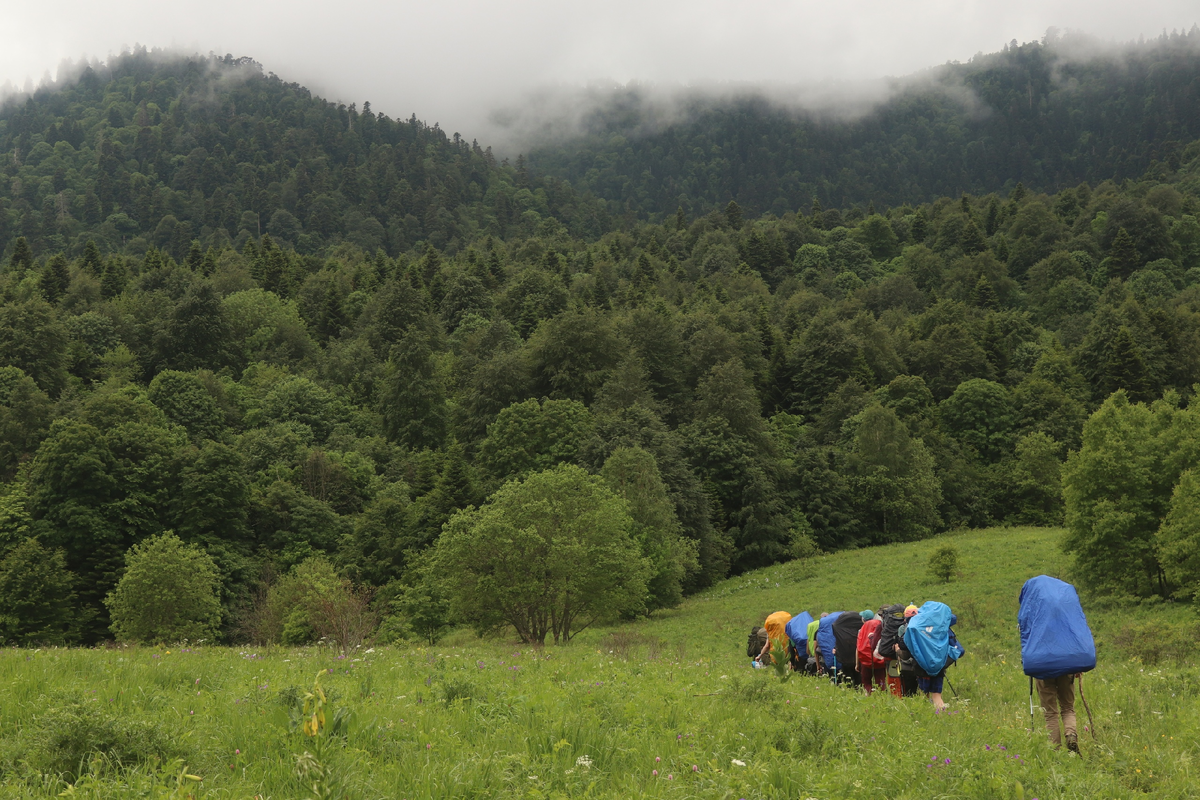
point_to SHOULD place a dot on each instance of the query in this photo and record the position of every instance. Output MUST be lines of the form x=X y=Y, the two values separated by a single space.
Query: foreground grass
x=597 y=718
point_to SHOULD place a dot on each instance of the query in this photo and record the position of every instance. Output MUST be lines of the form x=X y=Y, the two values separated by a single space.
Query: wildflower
x=947 y=761
x=237 y=752
x=695 y=768
x=657 y=759
x=654 y=773
x=738 y=763
x=672 y=777
x=428 y=747
x=191 y=713
x=583 y=761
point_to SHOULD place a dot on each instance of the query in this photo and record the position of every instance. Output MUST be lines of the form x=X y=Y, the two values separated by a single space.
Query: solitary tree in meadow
x=549 y=555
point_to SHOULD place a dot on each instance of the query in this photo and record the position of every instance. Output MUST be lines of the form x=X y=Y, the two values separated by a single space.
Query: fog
x=474 y=67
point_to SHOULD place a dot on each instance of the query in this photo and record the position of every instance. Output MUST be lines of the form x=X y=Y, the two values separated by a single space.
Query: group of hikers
x=905 y=649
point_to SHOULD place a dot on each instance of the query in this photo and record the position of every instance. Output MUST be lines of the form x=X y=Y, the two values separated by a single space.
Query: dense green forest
x=1050 y=114
x=303 y=337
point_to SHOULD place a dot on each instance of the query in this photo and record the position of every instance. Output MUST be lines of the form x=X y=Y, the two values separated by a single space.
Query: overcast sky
x=454 y=62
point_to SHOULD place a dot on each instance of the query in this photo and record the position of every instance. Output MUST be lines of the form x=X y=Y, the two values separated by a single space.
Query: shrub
x=312 y=602
x=168 y=593
x=943 y=564
x=63 y=740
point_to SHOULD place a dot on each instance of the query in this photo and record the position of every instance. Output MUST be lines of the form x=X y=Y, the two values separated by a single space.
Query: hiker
x=908 y=667
x=930 y=639
x=870 y=669
x=816 y=665
x=1056 y=649
x=826 y=643
x=754 y=644
x=891 y=617
x=797 y=633
x=845 y=638
x=776 y=626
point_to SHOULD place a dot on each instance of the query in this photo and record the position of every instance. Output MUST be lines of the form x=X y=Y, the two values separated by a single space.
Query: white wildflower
x=738 y=763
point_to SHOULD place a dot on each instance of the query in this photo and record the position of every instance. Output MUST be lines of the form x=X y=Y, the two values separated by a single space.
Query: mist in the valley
x=513 y=74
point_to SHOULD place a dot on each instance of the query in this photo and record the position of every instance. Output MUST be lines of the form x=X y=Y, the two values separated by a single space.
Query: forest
x=330 y=350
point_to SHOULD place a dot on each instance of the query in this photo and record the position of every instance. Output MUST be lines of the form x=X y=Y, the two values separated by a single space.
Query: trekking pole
x=1091 y=722
x=951 y=685
x=1031 y=729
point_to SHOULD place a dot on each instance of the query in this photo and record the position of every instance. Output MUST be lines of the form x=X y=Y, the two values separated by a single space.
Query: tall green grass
x=673 y=694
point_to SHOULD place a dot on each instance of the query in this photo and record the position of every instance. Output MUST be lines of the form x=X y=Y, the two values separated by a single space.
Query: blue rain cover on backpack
x=797 y=630
x=928 y=636
x=1055 y=637
x=825 y=636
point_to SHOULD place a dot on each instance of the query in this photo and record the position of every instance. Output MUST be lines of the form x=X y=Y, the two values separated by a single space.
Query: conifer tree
x=92 y=263
x=970 y=239
x=983 y=295
x=56 y=278
x=195 y=257
x=112 y=282
x=1126 y=369
x=1123 y=256
x=22 y=257
x=919 y=228
x=414 y=403
x=992 y=222
x=680 y=219
x=733 y=215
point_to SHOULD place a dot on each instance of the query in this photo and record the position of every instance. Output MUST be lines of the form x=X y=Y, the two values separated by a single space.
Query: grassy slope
x=626 y=696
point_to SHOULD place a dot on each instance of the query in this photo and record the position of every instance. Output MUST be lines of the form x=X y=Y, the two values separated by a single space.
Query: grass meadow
x=666 y=707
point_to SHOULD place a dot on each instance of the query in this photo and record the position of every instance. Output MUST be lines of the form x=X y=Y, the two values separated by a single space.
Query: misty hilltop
x=155 y=149
x=1048 y=114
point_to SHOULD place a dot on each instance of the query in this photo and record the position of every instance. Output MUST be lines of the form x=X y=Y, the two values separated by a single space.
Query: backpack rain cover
x=928 y=636
x=825 y=636
x=845 y=637
x=1055 y=637
x=797 y=629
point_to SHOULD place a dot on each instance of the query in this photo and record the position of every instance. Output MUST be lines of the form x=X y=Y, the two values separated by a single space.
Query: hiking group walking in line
x=906 y=649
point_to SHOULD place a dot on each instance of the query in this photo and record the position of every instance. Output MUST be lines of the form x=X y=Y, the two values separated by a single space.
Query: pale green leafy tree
x=168 y=593
x=549 y=555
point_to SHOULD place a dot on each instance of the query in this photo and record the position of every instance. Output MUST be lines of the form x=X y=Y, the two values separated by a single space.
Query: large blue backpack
x=1055 y=637
x=797 y=630
x=825 y=641
x=930 y=639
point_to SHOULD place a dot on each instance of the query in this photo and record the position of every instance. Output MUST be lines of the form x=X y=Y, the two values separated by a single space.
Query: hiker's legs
x=1066 y=705
x=932 y=686
x=881 y=677
x=1048 y=697
x=864 y=674
x=908 y=682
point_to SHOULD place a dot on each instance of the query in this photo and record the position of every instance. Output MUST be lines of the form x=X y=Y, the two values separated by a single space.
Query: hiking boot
x=1073 y=743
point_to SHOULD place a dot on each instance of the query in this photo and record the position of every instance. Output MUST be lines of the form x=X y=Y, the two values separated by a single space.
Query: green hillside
x=489 y=719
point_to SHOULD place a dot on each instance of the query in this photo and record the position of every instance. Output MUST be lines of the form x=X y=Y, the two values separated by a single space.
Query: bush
x=168 y=593
x=313 y=602
x=943 y=564
x=63 y=740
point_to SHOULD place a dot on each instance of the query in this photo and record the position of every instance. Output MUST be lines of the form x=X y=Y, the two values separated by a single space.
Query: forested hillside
x=1050 y=114
x=303 y=337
